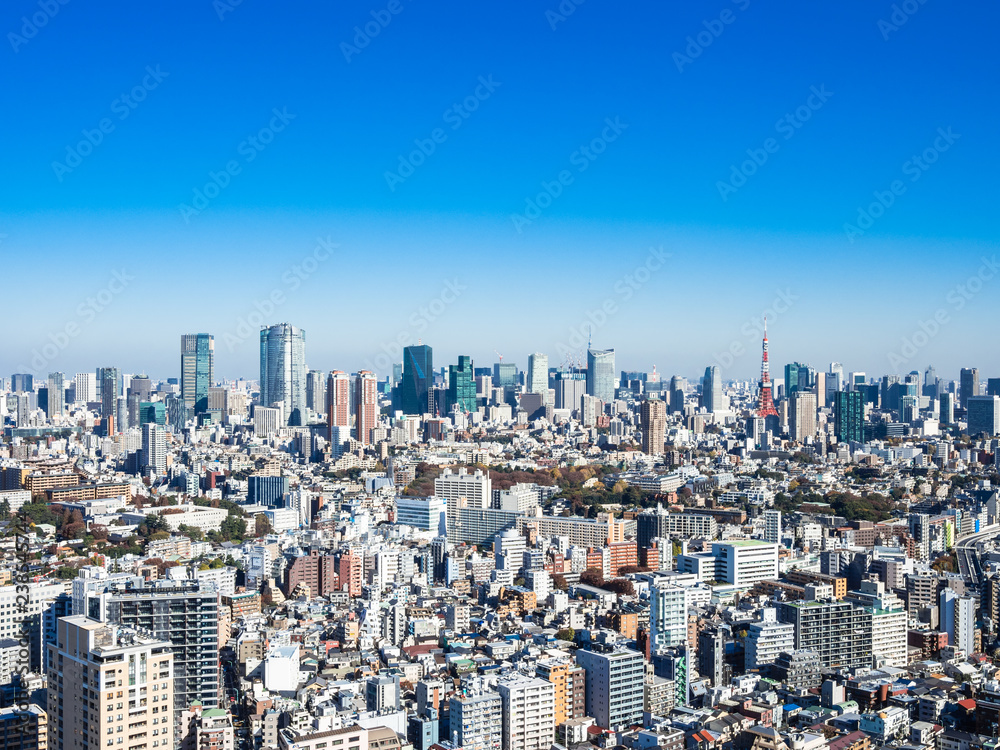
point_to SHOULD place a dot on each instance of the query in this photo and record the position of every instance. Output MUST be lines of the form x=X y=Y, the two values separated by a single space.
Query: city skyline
x=396 y=375
x=576 y=361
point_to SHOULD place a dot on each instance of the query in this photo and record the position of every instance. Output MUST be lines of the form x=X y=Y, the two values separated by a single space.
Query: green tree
x=191 y=532
x=233 y=529
x=40 y=513
x=261 y=526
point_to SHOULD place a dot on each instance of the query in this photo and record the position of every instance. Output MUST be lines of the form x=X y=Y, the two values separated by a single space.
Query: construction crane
x=499 y=355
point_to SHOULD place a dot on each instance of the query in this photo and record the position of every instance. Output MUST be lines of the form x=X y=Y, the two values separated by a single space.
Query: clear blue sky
x=531 y=100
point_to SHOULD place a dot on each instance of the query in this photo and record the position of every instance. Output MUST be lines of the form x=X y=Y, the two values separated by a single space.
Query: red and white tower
x=765 y=401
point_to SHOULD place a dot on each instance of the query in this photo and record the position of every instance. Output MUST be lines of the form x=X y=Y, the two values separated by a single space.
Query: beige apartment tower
x=109 y=687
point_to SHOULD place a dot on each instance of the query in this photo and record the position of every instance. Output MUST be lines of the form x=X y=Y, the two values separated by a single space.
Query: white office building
x=86 y=387
x=745 y=562
x=425 y=513
x=265 y=420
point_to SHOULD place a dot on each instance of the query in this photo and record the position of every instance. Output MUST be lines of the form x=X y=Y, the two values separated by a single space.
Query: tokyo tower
x=765 y=403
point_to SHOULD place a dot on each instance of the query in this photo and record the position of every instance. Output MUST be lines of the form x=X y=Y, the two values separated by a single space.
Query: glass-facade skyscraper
x=197 y=370
x=57 y=395
x=798 y=377
x=418 y=374
x=283 y=370
x=849 y=416
x=538 y=375
x=969 y=385
x=711 y=389
x=601 y=374
x=462 y=385
x=504 y=375
x=110 y=379
x=22 y=383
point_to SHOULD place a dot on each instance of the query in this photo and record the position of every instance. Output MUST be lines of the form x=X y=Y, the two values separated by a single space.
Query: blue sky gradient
x=688 y=114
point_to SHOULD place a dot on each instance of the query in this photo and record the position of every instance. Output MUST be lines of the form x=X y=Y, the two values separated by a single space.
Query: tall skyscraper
x=538 y=375
x=197 y=370
x=676 y=395
x=153 y=456
x=22 y=382
x=930 y=382
x=834 y=381
x=797 y=377
x=111 y=684
x=418 y=377
x=969 y=385
x=283 y=370
x=504 y=374
x=86 y=387
x=982 y=414
x=462 y=385
x=570 y=387
x=139 y=390
x=653 y=414
x=849 y=416
x=819 y=388
x=711 y=389
x=366 y=405
x=110 y=379
x=601 y=374
x=946 y=408
x=316 y=391
x=57 y=395
x=338 y=399
x=993 y=386
x=802 y=415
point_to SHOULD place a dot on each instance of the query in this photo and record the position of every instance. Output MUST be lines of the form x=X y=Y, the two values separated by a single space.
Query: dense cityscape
x=498 y=558
x=560 y=375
